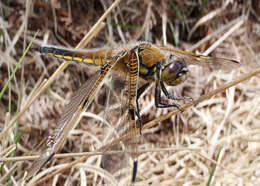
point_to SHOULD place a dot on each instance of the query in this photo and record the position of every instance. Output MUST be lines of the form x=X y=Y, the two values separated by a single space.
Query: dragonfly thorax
x=174 y=72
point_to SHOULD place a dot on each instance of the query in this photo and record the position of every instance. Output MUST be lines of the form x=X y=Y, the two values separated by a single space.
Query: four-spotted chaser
x=140 y=61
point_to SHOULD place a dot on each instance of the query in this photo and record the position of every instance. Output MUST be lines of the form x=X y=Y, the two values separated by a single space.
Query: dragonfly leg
x=139 y=93
x=139 y=118
x=141 y=90
x=169 y=96
x=160 y=104
x=161 y=87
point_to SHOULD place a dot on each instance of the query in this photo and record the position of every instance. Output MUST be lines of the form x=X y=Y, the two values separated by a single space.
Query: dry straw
x=246 y=136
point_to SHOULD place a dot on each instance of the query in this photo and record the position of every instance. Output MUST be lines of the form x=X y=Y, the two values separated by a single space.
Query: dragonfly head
x=174 y=72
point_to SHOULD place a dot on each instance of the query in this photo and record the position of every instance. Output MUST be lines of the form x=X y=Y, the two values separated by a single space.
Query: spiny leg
x=161 y=87
x=169 y=96
x=139 y=93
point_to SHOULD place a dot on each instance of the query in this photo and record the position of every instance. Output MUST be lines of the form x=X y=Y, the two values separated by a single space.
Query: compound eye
x=175 y=72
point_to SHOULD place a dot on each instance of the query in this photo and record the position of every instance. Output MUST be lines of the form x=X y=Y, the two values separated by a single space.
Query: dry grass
x=184 y=148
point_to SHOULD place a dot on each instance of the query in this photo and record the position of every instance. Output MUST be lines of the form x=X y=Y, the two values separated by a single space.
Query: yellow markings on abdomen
x=97 y=61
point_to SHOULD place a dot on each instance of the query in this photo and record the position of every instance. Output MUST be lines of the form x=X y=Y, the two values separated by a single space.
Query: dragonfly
x=143 y=63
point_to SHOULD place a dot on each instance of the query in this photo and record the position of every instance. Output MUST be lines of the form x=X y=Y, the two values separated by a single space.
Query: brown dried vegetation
x=181 y=149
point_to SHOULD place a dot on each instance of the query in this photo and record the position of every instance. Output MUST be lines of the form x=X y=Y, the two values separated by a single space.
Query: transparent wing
x=64 y=125
x=80 y=101
x=116 y=114
x=213 y=63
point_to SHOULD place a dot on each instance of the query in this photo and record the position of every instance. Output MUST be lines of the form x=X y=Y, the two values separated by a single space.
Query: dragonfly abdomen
x=71 y=56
